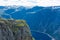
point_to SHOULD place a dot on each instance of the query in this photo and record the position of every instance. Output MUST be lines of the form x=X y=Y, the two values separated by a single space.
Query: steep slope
x=41 y=19
x=14 y=30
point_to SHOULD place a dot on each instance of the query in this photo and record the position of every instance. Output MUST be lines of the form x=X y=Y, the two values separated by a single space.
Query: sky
x=30 y=2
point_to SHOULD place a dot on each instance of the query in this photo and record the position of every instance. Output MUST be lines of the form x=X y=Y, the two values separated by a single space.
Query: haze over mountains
x=42 y=19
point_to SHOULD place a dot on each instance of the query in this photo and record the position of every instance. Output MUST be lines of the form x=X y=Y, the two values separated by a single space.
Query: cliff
x=14 y=30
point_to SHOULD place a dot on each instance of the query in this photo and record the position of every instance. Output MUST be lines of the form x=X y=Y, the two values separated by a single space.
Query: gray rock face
x=14 y=30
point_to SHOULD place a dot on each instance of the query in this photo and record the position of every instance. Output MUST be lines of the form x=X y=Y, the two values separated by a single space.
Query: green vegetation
x=14 y=30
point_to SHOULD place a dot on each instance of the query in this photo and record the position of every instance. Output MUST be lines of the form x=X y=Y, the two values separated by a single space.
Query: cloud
x=30 y=2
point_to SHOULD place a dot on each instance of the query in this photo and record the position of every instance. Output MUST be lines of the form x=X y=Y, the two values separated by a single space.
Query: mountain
x=42 y=19
x=14 y=30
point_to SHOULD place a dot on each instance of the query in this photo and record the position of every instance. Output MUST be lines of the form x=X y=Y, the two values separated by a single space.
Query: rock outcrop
x=14 y=30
